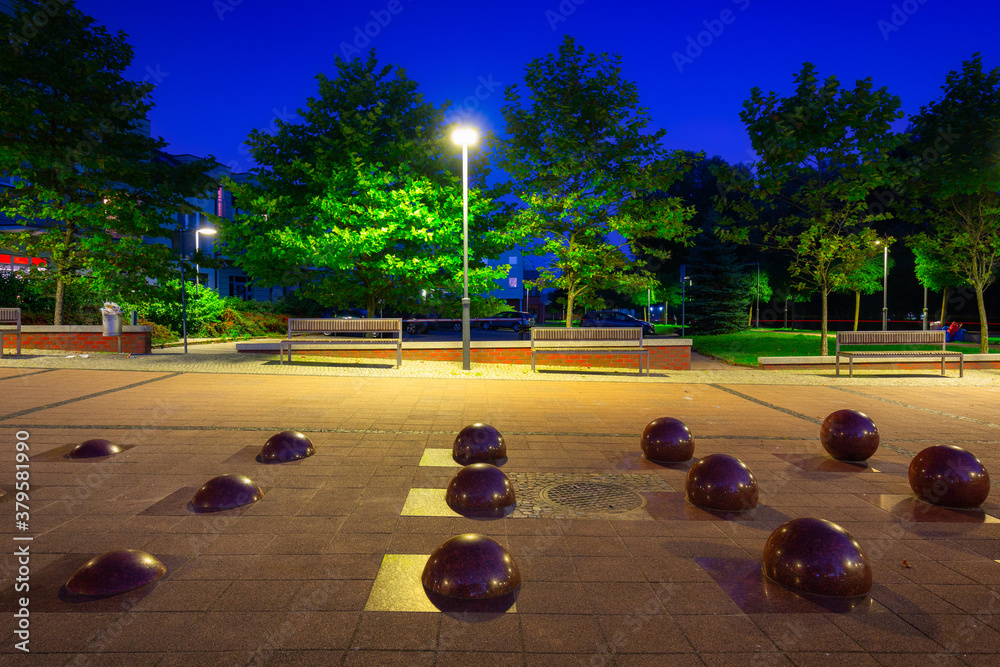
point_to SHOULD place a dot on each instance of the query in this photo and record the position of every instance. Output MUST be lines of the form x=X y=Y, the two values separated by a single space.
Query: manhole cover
x=593 y=497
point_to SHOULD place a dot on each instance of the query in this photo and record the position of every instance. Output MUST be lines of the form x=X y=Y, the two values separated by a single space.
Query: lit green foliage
x=823 y=151
x=587 y=173
x=90 y=185
x=865 y=278
x=962 y=185
x=360 y=203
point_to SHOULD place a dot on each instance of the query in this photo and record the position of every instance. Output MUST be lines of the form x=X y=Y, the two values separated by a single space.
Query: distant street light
x=465 y=136
x=685 y=281
x=885 y=284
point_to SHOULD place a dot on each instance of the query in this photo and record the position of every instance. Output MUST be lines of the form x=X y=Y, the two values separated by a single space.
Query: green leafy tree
x=933 y=272
x=586 y=173
x=90 y=185
x=865 y=278
x=823 y=150
x=962 y=186
x=758 y=287
x=360 y=203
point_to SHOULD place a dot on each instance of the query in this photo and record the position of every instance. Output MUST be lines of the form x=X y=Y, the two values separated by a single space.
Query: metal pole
x=756 y=320
x=683 y=311
x=197 y=268
x=184 y=312
x=885 y=288
x=924 y=315
x=466 y=352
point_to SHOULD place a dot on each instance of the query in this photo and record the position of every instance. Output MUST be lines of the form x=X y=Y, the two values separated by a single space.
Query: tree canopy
x=960 y=183
x=823 y=150
x=589 y=178
x=361 y=201
x=90 y=185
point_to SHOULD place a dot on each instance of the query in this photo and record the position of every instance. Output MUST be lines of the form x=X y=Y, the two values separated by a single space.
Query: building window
x=238 y=287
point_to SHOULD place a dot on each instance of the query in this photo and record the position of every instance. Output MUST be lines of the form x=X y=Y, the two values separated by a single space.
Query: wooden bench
x=625 y=340
x=896 y=338
x=10 y=317
x=390 y=330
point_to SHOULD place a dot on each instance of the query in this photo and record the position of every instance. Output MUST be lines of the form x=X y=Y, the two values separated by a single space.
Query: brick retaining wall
x=135 y=340
x=663 y=357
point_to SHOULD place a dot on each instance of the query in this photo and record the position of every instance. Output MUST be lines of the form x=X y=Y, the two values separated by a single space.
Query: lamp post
x=184 y=313
x=465 y=136
x=685 y=281
x=885 y=285
x=207 y=231
x=756 y=321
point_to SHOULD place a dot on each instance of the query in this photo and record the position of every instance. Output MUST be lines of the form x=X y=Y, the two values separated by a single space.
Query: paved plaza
x=324 y=569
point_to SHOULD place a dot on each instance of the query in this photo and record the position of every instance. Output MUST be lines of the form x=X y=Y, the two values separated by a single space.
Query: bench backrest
x=891 y=338
x=353 y=325
x=587 y=336
x=11 y=316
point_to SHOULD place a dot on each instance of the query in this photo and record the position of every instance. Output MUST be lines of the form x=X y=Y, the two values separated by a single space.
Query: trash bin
x=112 y=325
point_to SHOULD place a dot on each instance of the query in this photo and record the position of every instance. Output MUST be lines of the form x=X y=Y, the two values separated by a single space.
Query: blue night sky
x=228 y=66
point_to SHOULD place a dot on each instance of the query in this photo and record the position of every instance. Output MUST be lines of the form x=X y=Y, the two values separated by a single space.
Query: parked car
x=419 y=324
x=612 y=318
x=509 y=319
x=343 y=313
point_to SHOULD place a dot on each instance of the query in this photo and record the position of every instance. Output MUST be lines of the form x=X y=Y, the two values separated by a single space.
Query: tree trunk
x=569 y=308
x=857 y=308
x=944 y=303
x=63 y=264
x=750 y=317
x=984 y=326
x=60 y=294
x=823 y=347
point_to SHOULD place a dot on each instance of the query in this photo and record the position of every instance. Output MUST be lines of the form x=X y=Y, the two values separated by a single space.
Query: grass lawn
x=743 y=348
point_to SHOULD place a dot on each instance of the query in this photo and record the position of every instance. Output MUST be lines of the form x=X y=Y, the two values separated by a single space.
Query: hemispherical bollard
x=849 y=435
x=817 y=556
x=115 y=572
x=93 y=448
x=949 y=476
x=226 y=491
x=480 y=489
x=478 y=443
x=721 y=482
x=471 y=567
x=667 y=440
x=286 y=446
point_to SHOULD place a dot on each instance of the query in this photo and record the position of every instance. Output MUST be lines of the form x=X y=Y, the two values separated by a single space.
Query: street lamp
x=885 y=284
x=207 y=231
x=685 y=281
x=465 y=136
x=756 y=323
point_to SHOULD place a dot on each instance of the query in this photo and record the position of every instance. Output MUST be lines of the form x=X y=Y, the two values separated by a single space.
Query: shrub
x=161 y=335
x=244 y=324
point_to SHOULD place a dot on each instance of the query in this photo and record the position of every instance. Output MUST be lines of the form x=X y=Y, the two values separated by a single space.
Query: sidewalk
x=324 y=569
x=223 y=358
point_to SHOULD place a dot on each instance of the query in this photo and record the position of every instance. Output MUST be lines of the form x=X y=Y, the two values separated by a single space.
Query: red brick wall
x=132 y=343
x=660 y=357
